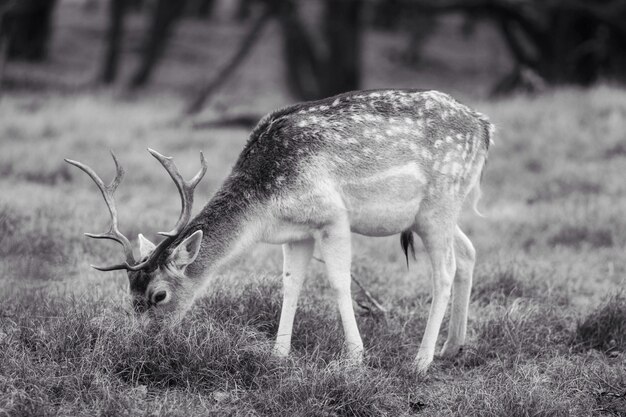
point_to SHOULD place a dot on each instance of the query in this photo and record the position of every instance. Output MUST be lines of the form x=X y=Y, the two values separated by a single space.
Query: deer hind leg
x=438 y=238
x=296 y=257
x=335 y=248
x=461 y=289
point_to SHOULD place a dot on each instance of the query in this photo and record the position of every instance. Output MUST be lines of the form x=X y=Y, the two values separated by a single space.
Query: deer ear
x=145 y=246
x=187 y=251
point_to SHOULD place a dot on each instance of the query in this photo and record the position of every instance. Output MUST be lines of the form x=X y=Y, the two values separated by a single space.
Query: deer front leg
x=465 y=256
x=335 y=248
x=439 y=245
x=296 y=257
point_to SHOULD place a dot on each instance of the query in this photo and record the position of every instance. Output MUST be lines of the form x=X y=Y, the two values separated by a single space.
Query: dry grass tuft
x=604 y=329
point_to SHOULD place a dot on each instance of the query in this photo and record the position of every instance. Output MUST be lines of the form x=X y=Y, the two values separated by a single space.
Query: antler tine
x=185 y=189
x=117 y=267
x=198 y=177
x=107 y=193
x=119 y=173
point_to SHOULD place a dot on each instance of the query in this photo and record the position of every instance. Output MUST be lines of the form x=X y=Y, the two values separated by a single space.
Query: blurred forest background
x=314 y=48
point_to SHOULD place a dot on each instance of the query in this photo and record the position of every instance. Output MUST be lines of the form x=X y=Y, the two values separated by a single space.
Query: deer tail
x=408 y=244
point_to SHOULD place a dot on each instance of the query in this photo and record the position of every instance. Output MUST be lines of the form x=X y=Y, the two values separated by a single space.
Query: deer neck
x=228 y=226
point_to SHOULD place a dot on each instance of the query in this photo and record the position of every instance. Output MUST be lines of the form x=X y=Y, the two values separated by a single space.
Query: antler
x=186 y=190
x=114 y=232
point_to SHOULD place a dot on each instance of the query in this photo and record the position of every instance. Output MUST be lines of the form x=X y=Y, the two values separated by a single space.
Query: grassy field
x=547 y=326
x=547 y=321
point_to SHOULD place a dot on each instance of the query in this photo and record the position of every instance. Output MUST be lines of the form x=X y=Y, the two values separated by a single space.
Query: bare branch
x=369 y=295
x=503 y=9
x=246 y=45
x=518 y=51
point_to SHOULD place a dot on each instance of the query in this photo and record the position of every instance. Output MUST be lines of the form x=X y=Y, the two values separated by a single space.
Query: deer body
x=375 y=163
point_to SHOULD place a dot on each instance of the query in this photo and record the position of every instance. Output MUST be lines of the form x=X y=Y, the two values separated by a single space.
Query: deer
x=375 y=163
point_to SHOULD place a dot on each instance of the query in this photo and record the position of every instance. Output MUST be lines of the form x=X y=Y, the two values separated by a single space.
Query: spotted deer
x=376 y=163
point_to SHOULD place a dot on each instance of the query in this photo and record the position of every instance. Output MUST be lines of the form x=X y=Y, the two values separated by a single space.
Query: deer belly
x=383 y=205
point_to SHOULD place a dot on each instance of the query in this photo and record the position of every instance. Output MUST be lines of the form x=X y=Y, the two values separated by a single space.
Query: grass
x=545 y=337
x=605 y=328
x=546 y=326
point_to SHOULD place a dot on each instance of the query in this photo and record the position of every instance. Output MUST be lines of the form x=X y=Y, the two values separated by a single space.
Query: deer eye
x=159 y=296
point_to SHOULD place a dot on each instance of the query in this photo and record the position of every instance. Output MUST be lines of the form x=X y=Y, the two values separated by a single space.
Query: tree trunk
x=575 y=58
x=342 y=31
x=28 y=25
x=316 y=71
x=117 y=10
x=560 y=41
x=201 y=8
x=164 y=17
x=4 y=43
x=244 y=9
x=302 y=60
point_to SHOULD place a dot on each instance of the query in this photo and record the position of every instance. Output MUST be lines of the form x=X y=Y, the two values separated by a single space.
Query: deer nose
x=158 y=297
x=139 y=305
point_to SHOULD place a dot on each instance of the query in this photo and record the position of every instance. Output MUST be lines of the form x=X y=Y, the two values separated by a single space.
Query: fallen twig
x=369 y=296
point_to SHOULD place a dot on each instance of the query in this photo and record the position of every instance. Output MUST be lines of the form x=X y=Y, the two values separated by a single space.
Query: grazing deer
x=376 y=163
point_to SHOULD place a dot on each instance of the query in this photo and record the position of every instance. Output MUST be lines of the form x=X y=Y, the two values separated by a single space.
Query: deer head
x=157 y=280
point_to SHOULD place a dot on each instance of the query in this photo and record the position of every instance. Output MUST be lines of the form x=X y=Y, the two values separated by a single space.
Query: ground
x=547 y=319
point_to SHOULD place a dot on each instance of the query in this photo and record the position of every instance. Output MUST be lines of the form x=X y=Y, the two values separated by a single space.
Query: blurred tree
x=27 y=25
x=246 y=45
x=313 y=70
x=401 y=16
x=300 y=56
x=4 y=8
x=332 y=66
x=342 y=33
x=201 y=8
x=554 y=42
x=110 y=64
x=136 y=5
x=164 y=17
x=551 y=42
x=244 y=9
